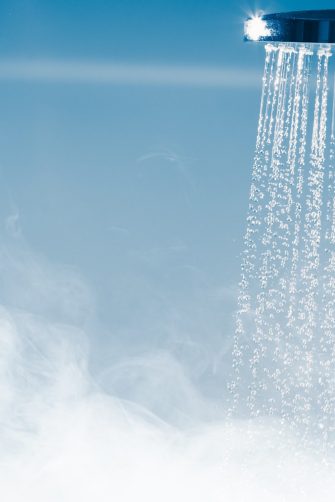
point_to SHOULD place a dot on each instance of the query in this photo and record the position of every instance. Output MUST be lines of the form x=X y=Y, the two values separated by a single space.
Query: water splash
x=284 y=348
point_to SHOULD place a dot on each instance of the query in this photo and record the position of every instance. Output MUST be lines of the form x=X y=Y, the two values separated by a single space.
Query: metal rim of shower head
x=310 y=27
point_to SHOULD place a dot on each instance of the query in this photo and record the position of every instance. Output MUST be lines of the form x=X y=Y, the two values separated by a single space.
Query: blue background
x=141 y=189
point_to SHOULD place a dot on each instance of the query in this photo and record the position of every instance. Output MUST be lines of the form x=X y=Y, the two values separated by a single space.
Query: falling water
x=284 y=348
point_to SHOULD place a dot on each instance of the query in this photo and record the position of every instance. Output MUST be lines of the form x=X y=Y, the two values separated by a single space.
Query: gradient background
x=139 y=190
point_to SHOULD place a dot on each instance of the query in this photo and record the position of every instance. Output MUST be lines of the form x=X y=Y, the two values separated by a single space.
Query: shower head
x=311 y=26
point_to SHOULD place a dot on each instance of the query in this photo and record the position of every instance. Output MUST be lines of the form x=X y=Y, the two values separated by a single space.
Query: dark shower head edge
x=310 y=27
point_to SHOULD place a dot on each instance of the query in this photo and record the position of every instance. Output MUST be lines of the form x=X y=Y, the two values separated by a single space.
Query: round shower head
x=312 y=26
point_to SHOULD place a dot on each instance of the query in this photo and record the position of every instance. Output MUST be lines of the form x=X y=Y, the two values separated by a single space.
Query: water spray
x=284 y=351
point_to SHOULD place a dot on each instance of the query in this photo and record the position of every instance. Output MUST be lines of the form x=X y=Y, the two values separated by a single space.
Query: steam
x=71 y=433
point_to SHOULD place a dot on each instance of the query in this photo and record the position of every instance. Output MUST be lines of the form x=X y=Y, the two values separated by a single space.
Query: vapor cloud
x=67 y=435
x=109 y=73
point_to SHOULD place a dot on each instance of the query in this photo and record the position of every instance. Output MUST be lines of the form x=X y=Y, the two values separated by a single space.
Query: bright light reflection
x=256 y=28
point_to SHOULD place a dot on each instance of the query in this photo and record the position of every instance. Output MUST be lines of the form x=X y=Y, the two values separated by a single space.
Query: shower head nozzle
x=312 y=26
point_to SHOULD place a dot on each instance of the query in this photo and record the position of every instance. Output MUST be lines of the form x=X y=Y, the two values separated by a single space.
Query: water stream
x=284 y=349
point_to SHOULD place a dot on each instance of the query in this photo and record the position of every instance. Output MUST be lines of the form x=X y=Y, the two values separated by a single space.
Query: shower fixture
x=310 y=27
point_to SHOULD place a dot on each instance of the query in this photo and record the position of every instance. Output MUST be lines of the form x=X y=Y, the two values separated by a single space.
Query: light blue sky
x=141 y=186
